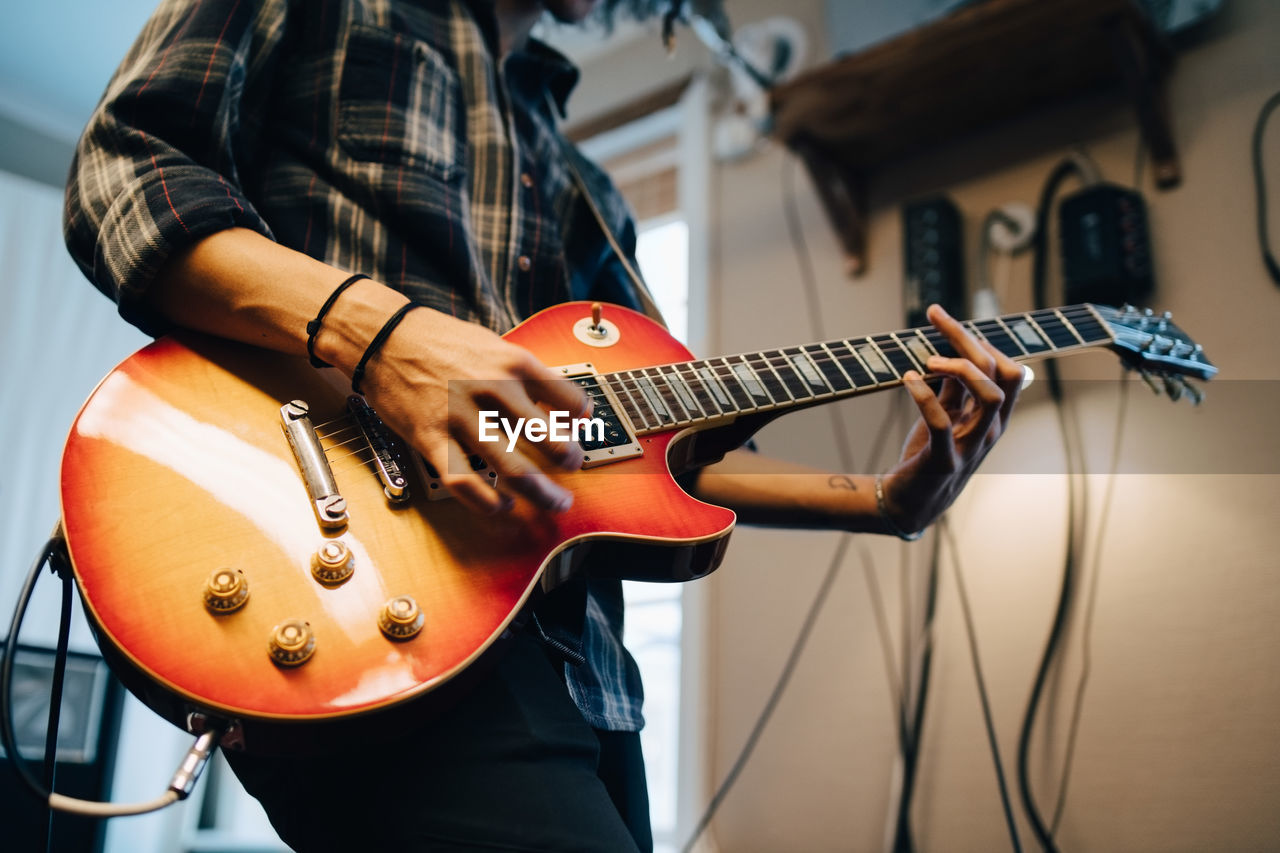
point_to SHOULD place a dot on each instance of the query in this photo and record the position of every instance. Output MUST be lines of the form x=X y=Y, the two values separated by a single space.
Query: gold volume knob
x=401 y=618
x=226 y=590
x=332 y=563
x=292 y=643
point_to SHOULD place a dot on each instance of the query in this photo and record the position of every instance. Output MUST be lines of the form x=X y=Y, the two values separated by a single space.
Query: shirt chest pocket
x=398 y=103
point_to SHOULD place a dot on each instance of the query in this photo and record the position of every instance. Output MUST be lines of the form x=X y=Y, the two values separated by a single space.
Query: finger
x=466 y=486
x=952 y=395
x=516 y=405
x=966 y=345
x=518 y=475
x=941 y=440
x=1009 y=376
x=982 y=388
x=550 y=387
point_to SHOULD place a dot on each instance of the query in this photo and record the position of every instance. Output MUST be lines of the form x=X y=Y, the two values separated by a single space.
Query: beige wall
x=1179 y=746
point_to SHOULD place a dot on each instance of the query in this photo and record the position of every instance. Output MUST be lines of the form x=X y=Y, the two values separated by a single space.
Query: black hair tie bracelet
x=313 y=328
x=357 y=376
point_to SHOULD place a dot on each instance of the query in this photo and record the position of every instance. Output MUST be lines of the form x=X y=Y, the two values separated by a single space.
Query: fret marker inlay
x=874 y=360
x=749 y=381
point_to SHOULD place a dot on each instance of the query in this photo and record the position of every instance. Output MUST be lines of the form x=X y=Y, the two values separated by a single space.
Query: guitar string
x=931 y=336
x=334 y=445
x=754 y=361
x=732 y=381
x=631 y=390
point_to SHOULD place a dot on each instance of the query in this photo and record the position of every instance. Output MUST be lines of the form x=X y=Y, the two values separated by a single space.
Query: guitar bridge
x=386 y=452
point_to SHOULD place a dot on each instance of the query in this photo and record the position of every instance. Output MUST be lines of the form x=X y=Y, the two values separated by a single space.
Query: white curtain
x=60 y=337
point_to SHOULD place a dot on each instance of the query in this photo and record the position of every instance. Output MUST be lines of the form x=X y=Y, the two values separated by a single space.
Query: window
x=653 y=622
x=659 y=163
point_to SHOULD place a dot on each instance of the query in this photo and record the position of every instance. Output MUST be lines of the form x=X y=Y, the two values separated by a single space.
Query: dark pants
x=511 y=766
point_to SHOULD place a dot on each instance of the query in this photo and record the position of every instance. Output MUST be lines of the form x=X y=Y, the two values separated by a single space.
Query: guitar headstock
x=1156 y=347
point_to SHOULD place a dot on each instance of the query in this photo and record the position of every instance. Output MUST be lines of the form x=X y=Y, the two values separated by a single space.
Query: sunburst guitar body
x=181 y=490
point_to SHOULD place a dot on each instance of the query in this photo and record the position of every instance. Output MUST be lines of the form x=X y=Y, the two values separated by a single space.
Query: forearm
x=239 y=284
x=767 y=491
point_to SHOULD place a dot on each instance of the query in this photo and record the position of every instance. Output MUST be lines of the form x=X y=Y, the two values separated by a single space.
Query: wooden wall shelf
x=983 y=63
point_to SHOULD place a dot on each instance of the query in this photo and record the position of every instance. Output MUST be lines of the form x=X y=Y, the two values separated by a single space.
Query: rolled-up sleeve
x=161 y=162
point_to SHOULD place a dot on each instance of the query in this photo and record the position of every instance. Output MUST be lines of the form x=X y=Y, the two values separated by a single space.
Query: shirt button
x=526 y=180
x=524 y=263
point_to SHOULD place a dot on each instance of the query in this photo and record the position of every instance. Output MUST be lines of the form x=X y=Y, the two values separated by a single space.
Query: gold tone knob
x=225 y=591
x=332 y=563
x=292 y=643
x=401 y=618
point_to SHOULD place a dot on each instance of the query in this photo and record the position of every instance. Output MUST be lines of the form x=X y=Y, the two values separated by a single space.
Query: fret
x=713 y=384
x=669 y=397
x=1031 y=338
x=939 y=341
x=913 y=363
x=1062 y=318
x=876 y=361
x=677 y=383
x=647 y=413
x=706 y=400
x=1085 y=324
x=622 y=390
x=998 y=336
x=852 y=365
x=802 y=363
x=919 y=347
x=1058 y=333
x=737 y=387
x=796 y=384
x=899 y=355
x=651 y=416
x=750 y=381
x=653 y=398
x=768 y=377
x=825 y=360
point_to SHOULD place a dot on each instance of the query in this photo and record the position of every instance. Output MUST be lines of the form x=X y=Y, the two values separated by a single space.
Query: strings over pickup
x=618 y=440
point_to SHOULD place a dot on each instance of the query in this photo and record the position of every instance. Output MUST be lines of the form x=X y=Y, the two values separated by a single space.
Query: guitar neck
x=705 y=391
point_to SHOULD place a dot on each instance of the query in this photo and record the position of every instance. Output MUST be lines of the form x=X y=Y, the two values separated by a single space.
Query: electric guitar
x=252 y=545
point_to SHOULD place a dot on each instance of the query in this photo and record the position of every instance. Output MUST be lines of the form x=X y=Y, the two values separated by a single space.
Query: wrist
x=354 y=321
x=888 y=516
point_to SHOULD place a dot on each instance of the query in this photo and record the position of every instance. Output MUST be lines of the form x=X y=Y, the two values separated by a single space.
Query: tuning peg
x=1151 y=383
x=1174 y=386
x=1196 y=395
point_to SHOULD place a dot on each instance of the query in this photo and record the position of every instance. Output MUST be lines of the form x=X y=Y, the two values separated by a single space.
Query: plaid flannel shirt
x=379 y=136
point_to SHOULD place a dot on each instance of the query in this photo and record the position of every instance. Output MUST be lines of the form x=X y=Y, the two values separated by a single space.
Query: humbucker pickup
x=618 y=441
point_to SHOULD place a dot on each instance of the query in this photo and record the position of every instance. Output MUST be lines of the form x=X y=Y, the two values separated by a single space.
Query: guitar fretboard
x=676 y=395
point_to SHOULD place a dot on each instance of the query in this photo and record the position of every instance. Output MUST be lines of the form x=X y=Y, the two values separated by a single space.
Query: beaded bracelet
x=313 y=328
x=357 y=375
x=888 y=521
